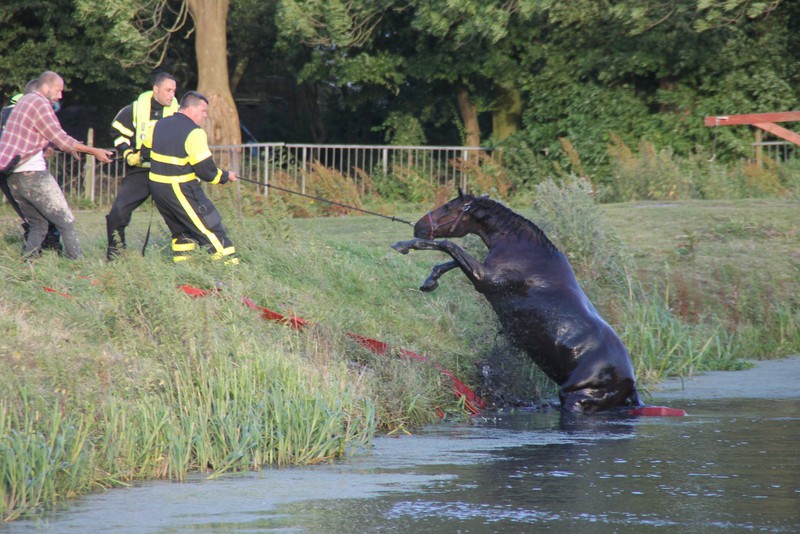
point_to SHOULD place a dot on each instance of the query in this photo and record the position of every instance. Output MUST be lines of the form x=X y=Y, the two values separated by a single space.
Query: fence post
x=303 y=174
x=88 y=170
x=759 y=149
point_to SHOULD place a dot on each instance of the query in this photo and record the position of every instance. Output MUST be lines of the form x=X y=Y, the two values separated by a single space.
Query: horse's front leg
x=471 y=267
x=432 y=282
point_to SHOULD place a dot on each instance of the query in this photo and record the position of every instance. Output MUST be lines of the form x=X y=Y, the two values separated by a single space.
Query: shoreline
x=767 y=379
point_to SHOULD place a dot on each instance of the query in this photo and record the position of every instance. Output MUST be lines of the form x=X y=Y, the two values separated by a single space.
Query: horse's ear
x=460 y=192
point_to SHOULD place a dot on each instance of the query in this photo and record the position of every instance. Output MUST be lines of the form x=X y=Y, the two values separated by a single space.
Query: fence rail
x=777 y=151
x=96 y=183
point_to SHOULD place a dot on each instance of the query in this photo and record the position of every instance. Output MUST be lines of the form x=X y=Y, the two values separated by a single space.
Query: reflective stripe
x=118 y=126
x=170 y=160
x=217 y=178
x=183 y=247
x=160 y=178
x=227 y=251
x=120 y=141
x=211 y=236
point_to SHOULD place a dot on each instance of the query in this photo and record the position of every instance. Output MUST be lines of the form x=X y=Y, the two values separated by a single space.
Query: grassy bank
x=127 y=378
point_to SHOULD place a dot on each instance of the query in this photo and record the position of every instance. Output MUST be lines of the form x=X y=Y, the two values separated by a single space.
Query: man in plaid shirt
x=32 y=126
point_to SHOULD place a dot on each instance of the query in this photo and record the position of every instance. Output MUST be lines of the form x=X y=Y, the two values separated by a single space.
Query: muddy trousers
x=135 y=189
x=42 y=202
x=192 y=219
x=52 y=240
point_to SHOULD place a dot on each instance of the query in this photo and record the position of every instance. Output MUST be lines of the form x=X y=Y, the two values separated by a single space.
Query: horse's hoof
x=401 y=247
x=428 y=286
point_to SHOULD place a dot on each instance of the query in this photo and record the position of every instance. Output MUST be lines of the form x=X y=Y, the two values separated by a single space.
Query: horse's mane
x=511 y=222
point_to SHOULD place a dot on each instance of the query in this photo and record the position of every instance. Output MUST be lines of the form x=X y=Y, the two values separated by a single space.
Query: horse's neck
x=505 y=226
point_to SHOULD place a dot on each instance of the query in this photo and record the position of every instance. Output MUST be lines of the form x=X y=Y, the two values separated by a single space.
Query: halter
x=455 y=220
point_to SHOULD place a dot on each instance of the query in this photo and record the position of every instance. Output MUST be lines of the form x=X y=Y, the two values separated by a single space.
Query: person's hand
x=232 y=176
x=102 y=154
x=134 y=159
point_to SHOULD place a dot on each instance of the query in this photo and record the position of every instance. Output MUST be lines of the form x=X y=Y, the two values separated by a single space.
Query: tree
x=442 y=45
x=211 y=45
x=55 y=35
x=147 y=26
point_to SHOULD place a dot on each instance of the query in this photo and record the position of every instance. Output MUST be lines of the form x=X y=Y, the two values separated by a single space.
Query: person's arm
x=52 y=131
x=201 y=160
x=100 y=153
x=123 y=131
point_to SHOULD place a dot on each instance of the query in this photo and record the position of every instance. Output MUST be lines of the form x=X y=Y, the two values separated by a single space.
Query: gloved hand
x=134 y=159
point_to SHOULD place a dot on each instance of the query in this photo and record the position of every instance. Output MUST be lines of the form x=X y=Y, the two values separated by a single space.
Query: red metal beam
x=752 y=118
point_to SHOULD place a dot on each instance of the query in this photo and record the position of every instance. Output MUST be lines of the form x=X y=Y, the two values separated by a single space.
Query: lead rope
x=149 y=225
x=390 y=217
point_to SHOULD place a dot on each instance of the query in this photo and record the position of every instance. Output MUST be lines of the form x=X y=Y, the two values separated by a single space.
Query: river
x=731 y=465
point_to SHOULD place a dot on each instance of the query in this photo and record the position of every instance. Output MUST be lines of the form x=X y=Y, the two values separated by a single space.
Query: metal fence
x=777 y=151
x=86 y=181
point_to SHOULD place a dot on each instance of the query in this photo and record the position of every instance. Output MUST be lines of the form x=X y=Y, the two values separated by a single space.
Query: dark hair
x=191 y=99
x=159 y=78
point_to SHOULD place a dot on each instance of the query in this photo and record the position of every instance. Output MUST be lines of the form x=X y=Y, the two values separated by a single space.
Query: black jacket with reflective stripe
x=177 y=142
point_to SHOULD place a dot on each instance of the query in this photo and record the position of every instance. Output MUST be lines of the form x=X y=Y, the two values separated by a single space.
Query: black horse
x=533 y=289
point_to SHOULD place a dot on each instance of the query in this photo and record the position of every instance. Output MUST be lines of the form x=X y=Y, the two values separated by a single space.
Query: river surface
x=731 y=465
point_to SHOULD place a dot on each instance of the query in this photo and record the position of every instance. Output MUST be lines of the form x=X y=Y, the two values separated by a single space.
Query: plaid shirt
x=32 y=125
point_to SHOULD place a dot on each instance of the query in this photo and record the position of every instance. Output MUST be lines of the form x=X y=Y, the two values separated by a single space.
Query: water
x=730 y=466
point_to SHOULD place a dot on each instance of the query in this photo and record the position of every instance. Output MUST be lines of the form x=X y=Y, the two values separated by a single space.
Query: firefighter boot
x=116 y=242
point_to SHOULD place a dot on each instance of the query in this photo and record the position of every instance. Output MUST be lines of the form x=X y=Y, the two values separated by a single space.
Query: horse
x=541 y=308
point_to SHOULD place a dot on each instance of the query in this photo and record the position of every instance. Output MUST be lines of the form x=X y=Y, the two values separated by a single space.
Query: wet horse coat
x=541 y=307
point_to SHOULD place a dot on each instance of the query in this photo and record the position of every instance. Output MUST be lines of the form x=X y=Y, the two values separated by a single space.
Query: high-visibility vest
x=142 y=120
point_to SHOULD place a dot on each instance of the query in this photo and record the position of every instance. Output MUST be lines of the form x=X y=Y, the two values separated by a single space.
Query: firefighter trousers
x=135 y=189
x=192 y=219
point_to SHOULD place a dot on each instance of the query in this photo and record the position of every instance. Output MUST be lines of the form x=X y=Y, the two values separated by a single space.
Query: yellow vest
x=142 y=121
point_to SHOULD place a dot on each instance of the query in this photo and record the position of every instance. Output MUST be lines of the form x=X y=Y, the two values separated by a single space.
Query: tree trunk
x=211 y=47
x=506 y=117
x=469 y=116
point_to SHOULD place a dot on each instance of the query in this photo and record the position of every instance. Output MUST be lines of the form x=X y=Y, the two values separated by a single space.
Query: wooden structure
x=765 y=122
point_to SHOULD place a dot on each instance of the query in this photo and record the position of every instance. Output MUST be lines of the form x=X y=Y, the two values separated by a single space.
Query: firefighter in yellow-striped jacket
x=180 y=158
x=131 y=126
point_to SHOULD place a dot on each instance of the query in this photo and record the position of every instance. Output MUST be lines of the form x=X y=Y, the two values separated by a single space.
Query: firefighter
x=132 y=124
x=180 y=158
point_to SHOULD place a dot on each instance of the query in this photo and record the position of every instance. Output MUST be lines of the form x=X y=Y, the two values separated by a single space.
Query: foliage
x=653 y=174
x=402 y=129
x=57 y=36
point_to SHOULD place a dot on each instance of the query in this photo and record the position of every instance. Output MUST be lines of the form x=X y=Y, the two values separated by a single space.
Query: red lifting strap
x=472 y=401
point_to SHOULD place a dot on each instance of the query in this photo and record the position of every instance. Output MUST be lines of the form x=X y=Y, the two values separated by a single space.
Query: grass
x=127 y=378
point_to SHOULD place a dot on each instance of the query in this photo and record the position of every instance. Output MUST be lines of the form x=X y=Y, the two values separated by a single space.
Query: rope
x=391 y=218
x=149 y=225
x=716 y=133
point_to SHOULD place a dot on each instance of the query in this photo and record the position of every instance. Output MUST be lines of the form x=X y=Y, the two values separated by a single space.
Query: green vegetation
x=128 y=378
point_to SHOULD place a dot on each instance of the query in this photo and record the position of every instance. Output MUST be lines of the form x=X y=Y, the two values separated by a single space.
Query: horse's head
x=448 y=220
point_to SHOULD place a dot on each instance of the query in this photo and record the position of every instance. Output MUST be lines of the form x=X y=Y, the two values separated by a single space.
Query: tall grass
x=117 y=376
x=650 y=173
x=128 y=379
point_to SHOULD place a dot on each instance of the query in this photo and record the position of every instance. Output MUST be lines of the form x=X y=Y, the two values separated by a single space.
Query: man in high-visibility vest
x=131 y=126
x=180 y=159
